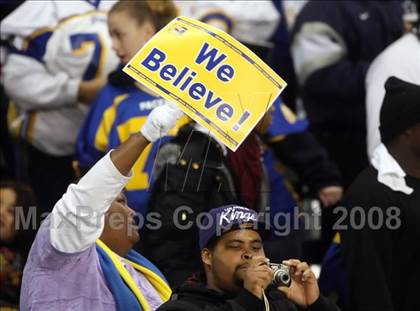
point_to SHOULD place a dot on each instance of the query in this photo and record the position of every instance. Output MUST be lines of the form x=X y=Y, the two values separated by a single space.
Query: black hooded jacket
x=196 y=297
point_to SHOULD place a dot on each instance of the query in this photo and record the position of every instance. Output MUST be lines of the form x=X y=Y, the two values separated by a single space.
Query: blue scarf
x=123 y=287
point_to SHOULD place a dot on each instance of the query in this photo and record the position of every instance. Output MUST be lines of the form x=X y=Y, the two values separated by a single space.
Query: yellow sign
x=215 y=80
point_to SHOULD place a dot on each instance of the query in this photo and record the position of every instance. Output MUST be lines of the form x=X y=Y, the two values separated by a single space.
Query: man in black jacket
x=237 y=274
x=381 y=232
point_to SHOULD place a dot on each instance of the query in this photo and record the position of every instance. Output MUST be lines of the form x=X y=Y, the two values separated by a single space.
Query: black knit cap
x=400 y=109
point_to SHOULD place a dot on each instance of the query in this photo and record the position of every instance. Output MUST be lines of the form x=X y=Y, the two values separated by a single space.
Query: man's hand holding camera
x=303 y=290
x=257 y=276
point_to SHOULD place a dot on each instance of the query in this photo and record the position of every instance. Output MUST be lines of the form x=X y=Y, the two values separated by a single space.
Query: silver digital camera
x=281 y=274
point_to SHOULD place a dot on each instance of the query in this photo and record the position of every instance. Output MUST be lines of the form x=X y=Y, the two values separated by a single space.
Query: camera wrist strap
x=266 y=303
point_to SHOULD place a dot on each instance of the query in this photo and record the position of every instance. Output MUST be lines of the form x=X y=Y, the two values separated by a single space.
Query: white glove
x=160 y=121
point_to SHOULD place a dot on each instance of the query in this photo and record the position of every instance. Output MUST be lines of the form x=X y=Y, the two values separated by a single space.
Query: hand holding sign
x=216 y=80
x=160 y=121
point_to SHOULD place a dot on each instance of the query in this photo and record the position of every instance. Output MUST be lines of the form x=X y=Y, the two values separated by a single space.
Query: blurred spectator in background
x=279 y=58
x=7 y=161
x=16 y=237
x=58 y=57
x=122 y=105
x=400 y=59
x=381 y=234
x=333 y=44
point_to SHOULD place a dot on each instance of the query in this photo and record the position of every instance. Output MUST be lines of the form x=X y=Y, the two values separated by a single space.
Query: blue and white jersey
x=32 y=16
x=56 y=45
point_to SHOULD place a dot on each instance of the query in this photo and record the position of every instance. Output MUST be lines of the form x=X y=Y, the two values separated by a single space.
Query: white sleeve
x=29 y=84
x=77 y=219
x=28 y=17
x=317 y=45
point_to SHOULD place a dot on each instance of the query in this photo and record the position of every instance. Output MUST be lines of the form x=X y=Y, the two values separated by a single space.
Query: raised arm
x=78 y=217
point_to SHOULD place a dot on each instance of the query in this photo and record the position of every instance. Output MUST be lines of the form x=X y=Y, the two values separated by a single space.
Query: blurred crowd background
x=65 y=102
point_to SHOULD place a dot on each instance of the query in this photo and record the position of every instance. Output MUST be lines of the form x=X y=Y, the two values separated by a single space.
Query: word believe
x=185 y=79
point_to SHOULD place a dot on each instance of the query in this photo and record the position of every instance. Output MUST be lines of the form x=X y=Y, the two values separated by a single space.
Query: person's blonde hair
x=159 y=13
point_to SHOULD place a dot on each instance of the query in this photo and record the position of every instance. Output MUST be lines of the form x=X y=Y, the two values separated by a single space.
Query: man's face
x=230 y=258
x=415 y=140
x=120 y=221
